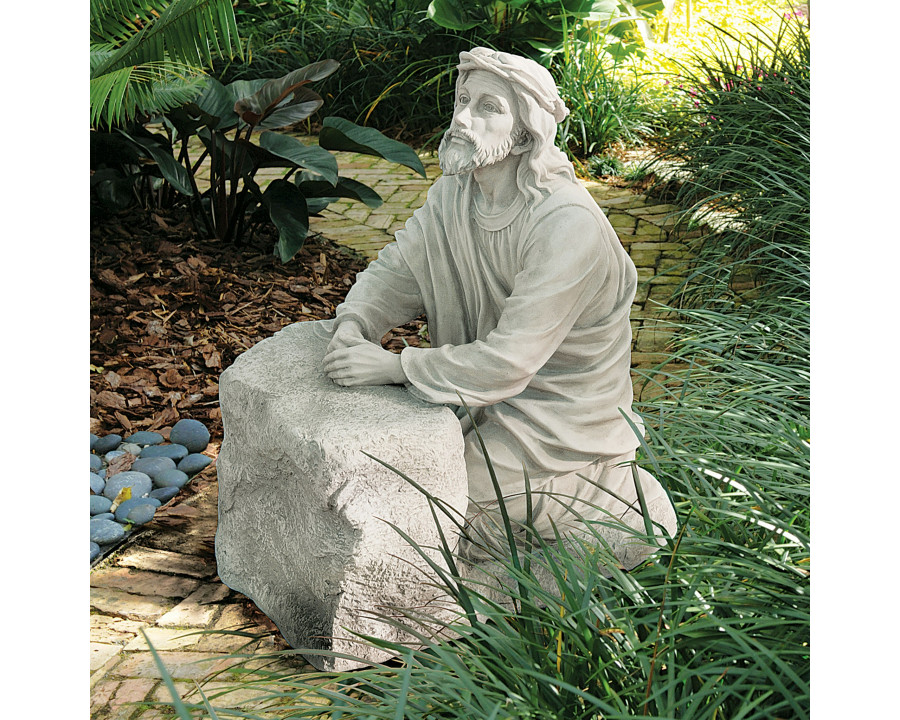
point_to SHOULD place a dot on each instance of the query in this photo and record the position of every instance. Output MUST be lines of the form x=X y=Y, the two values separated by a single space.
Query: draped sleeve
x=563 y=265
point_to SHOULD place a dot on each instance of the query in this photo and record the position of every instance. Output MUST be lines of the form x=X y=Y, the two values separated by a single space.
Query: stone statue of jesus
x=527 y=291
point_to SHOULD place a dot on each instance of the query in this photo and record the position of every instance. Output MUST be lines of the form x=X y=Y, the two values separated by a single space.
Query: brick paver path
x=164 y=580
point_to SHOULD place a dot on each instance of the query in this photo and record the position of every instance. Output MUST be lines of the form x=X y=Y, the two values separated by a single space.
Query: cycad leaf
x=340 y=134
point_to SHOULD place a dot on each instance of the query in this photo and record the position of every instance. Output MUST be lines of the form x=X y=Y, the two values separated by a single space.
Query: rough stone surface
x=302 y=508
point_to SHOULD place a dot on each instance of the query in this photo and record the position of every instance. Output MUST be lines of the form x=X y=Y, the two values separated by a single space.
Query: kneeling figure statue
x=527 y=291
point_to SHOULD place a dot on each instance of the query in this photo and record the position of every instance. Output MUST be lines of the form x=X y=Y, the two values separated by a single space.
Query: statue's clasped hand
x=352 y=360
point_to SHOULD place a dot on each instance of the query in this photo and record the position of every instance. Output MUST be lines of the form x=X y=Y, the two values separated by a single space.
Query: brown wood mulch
x=170 y=310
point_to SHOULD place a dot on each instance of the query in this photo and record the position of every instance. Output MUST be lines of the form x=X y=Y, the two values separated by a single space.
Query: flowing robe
x=528 y=318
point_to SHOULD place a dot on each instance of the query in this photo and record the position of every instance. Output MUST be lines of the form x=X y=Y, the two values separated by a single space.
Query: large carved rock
x=303 y=512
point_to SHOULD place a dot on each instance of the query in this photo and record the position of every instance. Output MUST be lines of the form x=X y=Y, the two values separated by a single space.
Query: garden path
x=163 y=580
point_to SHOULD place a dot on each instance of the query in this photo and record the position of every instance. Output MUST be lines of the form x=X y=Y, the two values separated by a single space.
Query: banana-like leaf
x=340 y=134
x=312 y=187
x=285 y=96
x=170 y=168
x=288 y=211
x=311 y=157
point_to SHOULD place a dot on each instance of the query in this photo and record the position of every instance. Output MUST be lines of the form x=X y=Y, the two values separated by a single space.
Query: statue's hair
x=543 y=161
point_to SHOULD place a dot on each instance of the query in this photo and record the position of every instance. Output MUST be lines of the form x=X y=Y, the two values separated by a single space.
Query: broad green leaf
x=288 y=211
x=170 y=168
x=216 y=100
x=303 y=104
x=274 y=92
x=345 y=187
x=451 y=14
x=311 y=157
x=340 y=134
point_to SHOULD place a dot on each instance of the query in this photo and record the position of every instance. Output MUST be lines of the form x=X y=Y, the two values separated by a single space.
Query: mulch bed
x=170 y=310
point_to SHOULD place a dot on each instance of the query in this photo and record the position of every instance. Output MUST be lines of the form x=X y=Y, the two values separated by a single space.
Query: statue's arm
x=563 y=271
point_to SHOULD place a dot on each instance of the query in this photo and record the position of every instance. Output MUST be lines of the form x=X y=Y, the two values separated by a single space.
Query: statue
x=527 y=292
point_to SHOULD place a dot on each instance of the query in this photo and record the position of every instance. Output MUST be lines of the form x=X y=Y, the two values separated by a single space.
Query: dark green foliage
x=233 y=197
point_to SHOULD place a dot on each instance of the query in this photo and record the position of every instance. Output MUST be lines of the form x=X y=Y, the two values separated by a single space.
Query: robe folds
x=528 y=320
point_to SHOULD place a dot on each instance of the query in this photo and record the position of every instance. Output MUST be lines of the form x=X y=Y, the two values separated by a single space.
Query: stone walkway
x=164 y=582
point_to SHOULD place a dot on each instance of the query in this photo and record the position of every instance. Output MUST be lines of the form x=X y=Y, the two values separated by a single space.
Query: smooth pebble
x=194 y=463
x=107 y=443
x=95 y=549
x=145 y=437
x=170 y=478
x=100 y=504
x=94 y=440
x=140 y=484
x=131 y=448
x=113 y=454
x=104 y=516
x=153 y=466
x=164 y=494
x=97 y=484
x=104 y=531
x=190 y=433
x=140 y=514
x=176 y=452
x=128 y=505
x=96 y=462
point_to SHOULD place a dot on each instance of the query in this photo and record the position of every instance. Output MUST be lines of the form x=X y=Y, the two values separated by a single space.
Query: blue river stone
x=104 y=516
x=170 y=478
x=113 y=454
x=95 y=549
x=99 y=504
x=190 y=433
x=104 y=531
x=96 y=462
x=107 y=443
x=128 y=505
x=164 y=494
x=140 y=514
x=145 y=437
x=194 y=463
x=97 y=483
x=94 y=440
x=153 y=466
x=130 y=448
x=176 y=452
x=140 y=484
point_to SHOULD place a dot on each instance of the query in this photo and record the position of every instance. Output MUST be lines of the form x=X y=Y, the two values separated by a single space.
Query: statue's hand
x=363 y=364
x=347 y=334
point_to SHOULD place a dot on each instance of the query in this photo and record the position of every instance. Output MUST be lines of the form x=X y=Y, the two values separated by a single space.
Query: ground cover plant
x=716 y=624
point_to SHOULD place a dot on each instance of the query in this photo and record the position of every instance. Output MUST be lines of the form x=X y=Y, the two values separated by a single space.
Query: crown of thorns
x=513 y=68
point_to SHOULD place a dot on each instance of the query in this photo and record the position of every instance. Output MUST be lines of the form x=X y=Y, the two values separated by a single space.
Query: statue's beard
x=469 y=153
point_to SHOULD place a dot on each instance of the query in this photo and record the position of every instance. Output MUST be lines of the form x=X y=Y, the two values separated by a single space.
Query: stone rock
x=96 y=462
x=194 y=463
x=95 y=549
x=113 y=454
x=190 y=433
x=140 y=484
x=104 y=516
x=145 y=437
x=97 y=483
x=94 y=440
x=131 y=448
x=104 y=531
x=128 y=505
x=100 y=504
x=164 y=494
x=170 y=478
x=153 y=466
x=175 y=452
x=107 y=443
x=304 y=512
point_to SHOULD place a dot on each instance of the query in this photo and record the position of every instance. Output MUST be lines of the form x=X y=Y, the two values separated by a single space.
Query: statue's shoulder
x=565 y=196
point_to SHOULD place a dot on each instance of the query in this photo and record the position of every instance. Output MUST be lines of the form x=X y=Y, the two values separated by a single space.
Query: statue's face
x=484 y=119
